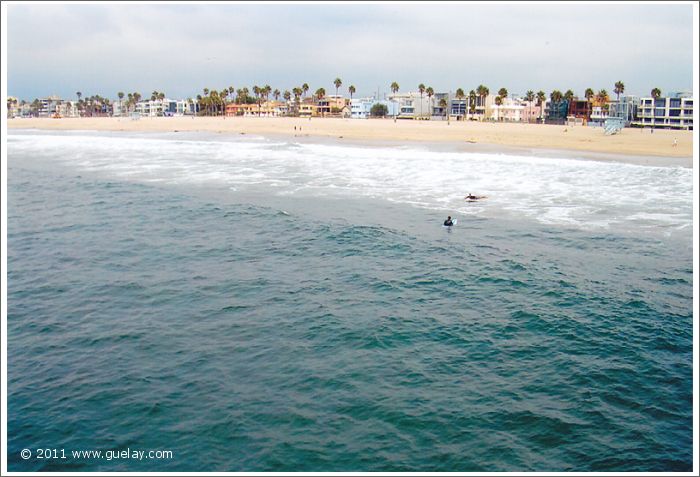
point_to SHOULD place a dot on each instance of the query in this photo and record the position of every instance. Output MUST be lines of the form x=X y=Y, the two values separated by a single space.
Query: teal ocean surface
x=261 y=305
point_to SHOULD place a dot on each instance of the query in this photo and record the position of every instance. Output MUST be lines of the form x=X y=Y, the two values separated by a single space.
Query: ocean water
x=272 y=305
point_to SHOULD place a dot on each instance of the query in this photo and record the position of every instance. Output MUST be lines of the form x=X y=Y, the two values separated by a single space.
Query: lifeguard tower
x=614 y=125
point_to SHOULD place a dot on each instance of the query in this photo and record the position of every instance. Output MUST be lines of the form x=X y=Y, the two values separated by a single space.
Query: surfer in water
x=448 y=222
x=470 y=196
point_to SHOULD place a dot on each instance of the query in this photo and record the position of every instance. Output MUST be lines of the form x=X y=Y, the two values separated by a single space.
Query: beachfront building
x=556 y=112
x=148 y=108
x=440 y=105
x=510 y=110
x=360 y=108
x=626 y=109
x=531 y=111
x=119 y=108
x=67 y=109
x=671 y=112
x=267 y=109
x=235 y=109
x=308 y=110
x=482 y=107
x=157 y=108
x=53 y=107
x=579 y=111
x=331 y=106
x=599 y=114
x=457 y=108
x=412 y=105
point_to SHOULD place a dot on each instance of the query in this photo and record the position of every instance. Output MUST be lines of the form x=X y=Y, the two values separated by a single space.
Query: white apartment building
x=360 y=108
x=510 y=110
x=156 y=108
x=673 y=112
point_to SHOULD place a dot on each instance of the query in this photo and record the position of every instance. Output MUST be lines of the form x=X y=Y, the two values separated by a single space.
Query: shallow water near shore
x=260 y=305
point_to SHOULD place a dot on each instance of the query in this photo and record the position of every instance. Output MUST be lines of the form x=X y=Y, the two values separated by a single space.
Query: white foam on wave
x=562 y=191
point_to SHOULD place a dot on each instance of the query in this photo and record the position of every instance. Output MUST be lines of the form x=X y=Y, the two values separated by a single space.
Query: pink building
x=531 y=112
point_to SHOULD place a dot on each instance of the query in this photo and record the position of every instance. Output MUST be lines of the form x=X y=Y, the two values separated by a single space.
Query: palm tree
x=120 y=95
x=430 y=92
x=443 y=104
x=394 y=89
x=556 y=96
x=589 y=94
x=421 y=90
x=78 y=94
x=276 y=94
x=256 y=92
x=224 y=95
x=206 y=100
x=656 y=93
x=541 y=98
x=304 y=89
x=214 y=101
x=619 y=89
x=503 y=94
x=529 y=97
x=338 y=83
x=297 y=93
x=569 y=95
x=499 y=101
x=351 y=90
x=602 y=97
x=459 y=94
x=482 y=91
x=472 y=101
x=320 y=94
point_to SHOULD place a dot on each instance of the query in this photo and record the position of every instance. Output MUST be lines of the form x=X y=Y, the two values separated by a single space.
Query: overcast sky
x=180 y=49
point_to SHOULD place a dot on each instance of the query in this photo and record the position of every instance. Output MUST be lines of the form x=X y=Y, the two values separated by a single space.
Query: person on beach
x=448 y=222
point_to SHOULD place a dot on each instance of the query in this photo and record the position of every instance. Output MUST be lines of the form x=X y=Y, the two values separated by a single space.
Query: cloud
x=181 y=48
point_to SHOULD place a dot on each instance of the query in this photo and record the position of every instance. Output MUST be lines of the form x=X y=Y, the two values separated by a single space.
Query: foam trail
x=565 y=192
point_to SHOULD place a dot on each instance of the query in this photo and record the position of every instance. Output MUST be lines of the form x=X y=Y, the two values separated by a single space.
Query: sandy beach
x=657 y=147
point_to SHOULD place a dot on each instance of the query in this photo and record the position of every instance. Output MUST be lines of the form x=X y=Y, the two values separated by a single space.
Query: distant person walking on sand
x=675 y=142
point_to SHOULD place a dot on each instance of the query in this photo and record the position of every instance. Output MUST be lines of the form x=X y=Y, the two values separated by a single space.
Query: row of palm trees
x=556 y=96
x=213 y=102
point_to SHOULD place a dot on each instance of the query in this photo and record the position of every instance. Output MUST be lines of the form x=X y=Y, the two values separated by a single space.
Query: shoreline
x=632 y=145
